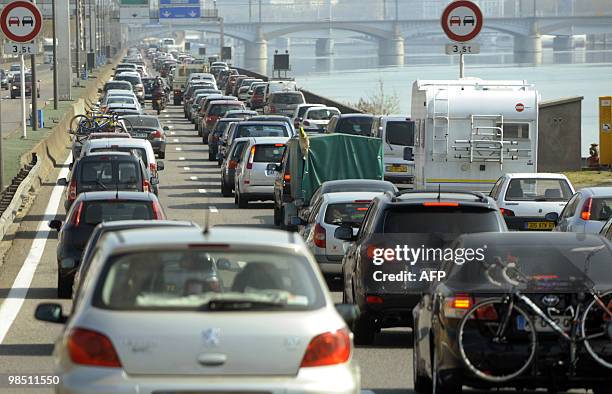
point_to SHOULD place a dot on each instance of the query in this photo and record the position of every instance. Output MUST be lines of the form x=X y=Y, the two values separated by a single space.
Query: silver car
x=183 y=310
x=586 y=212
x=283 y=103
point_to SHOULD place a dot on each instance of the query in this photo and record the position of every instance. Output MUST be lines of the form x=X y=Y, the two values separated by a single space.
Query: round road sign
x=520 y=107
x=462 y=20
x=21 y=21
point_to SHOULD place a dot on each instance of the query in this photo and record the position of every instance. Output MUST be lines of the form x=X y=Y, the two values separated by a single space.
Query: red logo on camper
x=520 y=107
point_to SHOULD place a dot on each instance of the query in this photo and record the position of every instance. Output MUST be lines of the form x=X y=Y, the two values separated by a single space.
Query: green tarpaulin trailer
x=326 y=157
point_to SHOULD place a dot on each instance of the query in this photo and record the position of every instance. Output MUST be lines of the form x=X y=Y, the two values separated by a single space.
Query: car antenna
x=438 y=192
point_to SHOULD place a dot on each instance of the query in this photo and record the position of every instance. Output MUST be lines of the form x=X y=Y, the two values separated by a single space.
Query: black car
x=214 y=137
x=485 y=324
x=89 y=210
x=149 y=87
x=228 y=168
x=421 y=224
x=148 y=127
x=355 y=124
x=100 y=171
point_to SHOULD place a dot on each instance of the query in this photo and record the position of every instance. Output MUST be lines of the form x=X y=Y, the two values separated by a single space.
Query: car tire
x=438 y=386
x=364 y=330
x=226 y=191
x=422 y=384
x=195 y=127
x=162 y=155
x=211 y=155
x=243 y=202
x=64 y=287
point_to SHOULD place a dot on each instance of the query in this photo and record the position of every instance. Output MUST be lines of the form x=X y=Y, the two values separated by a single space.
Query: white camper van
x=469 y=132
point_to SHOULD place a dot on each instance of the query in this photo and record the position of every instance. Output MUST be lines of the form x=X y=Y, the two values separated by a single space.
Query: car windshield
x=352 y=213
x=365 y=187
x=134 y=80
x=361 y=125
x=118 y=85
x=208 y=281
x=96 y=212
x=140 y=152
x=287 y=98
x=400 y=133
x=15 y=67
x=269 y=153
x=322 y=114
x=529 y=189
x=221 y=109
x=261 y=131
x=120 y=100
x=548 y=266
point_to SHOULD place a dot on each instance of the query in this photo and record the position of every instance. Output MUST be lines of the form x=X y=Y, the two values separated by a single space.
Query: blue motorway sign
x=179 y=2
x=181 y=12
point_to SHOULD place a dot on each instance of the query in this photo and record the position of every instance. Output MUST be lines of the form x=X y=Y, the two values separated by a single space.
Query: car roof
x=120 y=155
x=353 y=182
x=415 y=197
x=261 y=122
x=596 y=191
x=122 y=92
x=128 y=142
x=114 y=81
x=116 y=195
x=223 y=101
x=339 y=197
x=534 y=175
x=267 y=118
x=355 y=115
x=268 y=140
x=129 y=224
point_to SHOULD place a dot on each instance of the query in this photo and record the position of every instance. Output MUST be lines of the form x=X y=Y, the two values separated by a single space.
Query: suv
x=383 y=285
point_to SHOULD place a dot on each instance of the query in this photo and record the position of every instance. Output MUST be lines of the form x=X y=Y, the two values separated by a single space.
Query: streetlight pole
x=34 y=90
x=55 y=81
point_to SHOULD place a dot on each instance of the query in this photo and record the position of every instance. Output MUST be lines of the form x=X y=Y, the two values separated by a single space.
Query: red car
x=455 y=20
x=13 y=20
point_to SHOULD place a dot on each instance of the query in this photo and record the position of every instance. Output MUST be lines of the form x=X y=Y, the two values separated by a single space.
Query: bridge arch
x=164 y=31
x=353 y=27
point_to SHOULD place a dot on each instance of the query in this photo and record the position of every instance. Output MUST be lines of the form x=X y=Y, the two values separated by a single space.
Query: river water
x=353 y=72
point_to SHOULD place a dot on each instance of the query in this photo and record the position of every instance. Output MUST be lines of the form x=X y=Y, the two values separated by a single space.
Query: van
x=279 y=86
x=397 y=135
x=283 y=103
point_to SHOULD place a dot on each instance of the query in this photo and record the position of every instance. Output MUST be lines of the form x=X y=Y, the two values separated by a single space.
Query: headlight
x=13 y=87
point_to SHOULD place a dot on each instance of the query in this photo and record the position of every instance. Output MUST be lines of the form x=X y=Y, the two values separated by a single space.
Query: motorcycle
x=158 y=104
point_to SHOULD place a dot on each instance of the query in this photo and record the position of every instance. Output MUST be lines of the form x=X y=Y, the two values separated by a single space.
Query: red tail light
x=146 y=186
x=87 y=347
x=506 y=212
x=287 y=177
x=586 y=209
x=329 y=348
x=72 y=189
x=306 y=123
x=76 y=218
x=374 y=300
x=157 y=211
x=319 y=236
x=153 y=167
x=273 y=108
x=156 y=134
x=440 y=204
x=232 y=164
x=487 y=312
x=251 y=157
x=178 y=92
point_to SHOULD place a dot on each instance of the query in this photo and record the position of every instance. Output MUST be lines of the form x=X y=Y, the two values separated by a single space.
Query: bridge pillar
x=256 y=56
x=528 y=49
x=179 y=37
x=391 y=51
x=563 y=43
x=324 y=47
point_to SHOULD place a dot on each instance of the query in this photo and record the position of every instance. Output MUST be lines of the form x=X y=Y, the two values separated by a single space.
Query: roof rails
x=481 y=197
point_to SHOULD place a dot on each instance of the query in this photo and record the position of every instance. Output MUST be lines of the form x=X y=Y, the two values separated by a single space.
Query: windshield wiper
x=240 y=305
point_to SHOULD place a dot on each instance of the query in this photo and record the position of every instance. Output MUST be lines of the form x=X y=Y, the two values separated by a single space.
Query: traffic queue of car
x=161 y=306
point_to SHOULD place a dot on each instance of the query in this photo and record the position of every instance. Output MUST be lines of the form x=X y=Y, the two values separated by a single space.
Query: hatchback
x=283 y=103
x=586 y=212
x=148 y=127
x=229 y=165
x=165 y=311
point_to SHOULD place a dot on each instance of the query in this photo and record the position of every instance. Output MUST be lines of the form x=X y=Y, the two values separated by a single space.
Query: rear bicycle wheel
x=492 y=356
x=596 y=329
x=78 y=121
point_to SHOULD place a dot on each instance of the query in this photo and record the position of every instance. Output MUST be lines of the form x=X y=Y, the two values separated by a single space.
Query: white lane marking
x=213 y=209
x=172 y=133
x=181 y=158
x=171 y=127
x=179 y=148
x=167 y=116
x=175 y=140
x=12 y=304
x=203 y=191
x=186 y=168
x=193 y=178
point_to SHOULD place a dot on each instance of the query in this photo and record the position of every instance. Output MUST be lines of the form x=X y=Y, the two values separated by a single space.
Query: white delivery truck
x=469 y=132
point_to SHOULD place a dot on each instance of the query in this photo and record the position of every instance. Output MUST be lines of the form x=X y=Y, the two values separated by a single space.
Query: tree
x=379 y=103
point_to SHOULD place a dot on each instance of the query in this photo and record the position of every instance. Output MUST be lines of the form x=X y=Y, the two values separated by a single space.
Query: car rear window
x=440 y=220
x=96 y=212
x=118 y=86
x=269 y=153
x=383 y=187
x=261 y=131
x=134 y=80
x=120 y=100
x=220 y=127
x=348 y=213
x=355 y=126
x=288 y=98
x=208 y=281
x=143 y=121
x=601 y=208
x=139 y=152
x=322 y=114
x=400 y=133
x=538 y=190
x=108 y=173
x=221 y=109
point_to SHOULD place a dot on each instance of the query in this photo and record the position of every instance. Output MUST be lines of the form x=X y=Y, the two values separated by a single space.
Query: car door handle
x=212 y=359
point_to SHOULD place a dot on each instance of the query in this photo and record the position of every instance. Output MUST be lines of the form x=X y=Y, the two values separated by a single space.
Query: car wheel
x=199 y=132
x=211 y=155
x=243 y=202
x=364 y=330
x=422 y=384
x=177 y=102
x=225 y=190
x=439 y=386
x=195 y=127
x=64 y=287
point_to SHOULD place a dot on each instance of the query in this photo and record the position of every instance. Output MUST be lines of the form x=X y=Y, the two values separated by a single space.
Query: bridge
x=390 y=34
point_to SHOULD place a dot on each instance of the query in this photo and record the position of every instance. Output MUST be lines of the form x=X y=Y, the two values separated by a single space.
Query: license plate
x=397 y=168
x=541 y=325
x=140 y=135
x=540 y=225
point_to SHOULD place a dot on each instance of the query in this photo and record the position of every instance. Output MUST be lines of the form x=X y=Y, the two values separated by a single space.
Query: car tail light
x=146 y=186
x=306 y=123
x=329 y=348
x=177 y=92
x=371 y=299
x=506 y=212
x=249 y=165
x=319 y=236
x=487 y=312
x=157 y=211
x=87 y=347
x=586 y=209
x=232 y=164
x=440 y=204
x=456 y=307
x=153 y=167
x=72 y=189
x=156 y=134
x=76 y=218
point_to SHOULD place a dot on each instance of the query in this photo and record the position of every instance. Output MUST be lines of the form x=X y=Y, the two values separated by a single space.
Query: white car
x=226 y=310
x=315 y=119
x=397 y=133
x=140 y=147
x=299 y=112
x=526 y=198
x=255 y=173
x=330 y=212
x=118 y=96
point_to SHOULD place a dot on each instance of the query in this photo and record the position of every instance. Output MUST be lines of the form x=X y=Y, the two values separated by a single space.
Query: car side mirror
x=552 y=217
x=272 y=167
x=224 y=264
x=51 y=313
x=55 y=224
x=160 y=165
x=344 y=233
x=70 y=167
x=166 y=128
x=408 y=153
x=348 y=312
x=296 y=221
x=62 y=182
